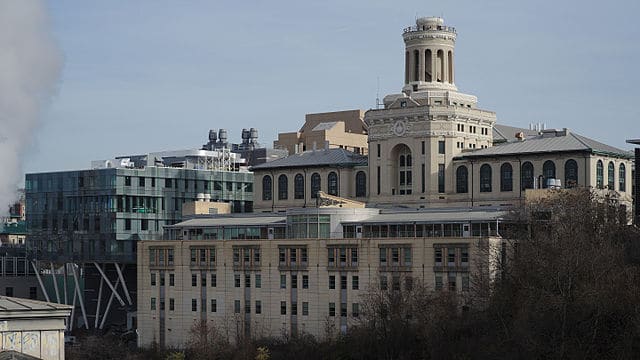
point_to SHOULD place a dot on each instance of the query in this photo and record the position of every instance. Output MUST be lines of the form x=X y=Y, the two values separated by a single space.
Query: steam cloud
x=30 y=64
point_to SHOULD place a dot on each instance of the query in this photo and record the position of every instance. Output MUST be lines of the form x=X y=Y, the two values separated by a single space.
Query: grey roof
x=13 y=304
x=231 y=221
x=503 y=133
x=444 y=216
x=324 y=157
x=563 y=141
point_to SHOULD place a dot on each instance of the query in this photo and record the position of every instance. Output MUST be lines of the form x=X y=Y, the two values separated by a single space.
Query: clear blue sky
x=143 y=76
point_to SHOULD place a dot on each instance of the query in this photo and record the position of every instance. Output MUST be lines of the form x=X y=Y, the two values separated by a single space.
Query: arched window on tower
x=283 y=187
x=450 y=65
x=315 y=185
x=298 y=187
x=599 y=174
x=485 y=178
x=428 y=66
x=462 y=180
x=361 y=184
x=266 y=188
x=570 y=174
x=401 y=181
x=407 y=66
x=439 y=66
x=548 y=172
x=526 y=176
x=622 y=178
x=416 y=65
x=506 y=177
x=611 y=182
x=332 y=184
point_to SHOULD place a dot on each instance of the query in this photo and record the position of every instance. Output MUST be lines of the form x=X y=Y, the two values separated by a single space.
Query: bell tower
x=429 y=52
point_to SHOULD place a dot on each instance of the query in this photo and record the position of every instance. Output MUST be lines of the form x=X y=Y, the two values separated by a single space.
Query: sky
x=150 y=75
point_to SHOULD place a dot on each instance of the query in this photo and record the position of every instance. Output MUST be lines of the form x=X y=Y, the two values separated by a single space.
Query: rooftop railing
x=414 y=28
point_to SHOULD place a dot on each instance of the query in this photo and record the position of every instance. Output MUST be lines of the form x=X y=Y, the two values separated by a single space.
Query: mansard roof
x=548 y=141
x=316 y=158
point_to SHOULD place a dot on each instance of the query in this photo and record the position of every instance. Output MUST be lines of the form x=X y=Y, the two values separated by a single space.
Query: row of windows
x=452 y=281
x=174 y=183
x=611 y=173
x=333 y=187
x=355 y=282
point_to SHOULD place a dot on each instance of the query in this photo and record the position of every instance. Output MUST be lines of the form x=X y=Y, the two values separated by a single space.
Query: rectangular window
x=441 y=147
x=422 y=178
x=214 y=305
x=194 y=280
x=305 y=281
x=258 y=307
x=343 y=282
x=407 y=256
x=423 y=148
x=203 y=281
x=214 y=280
x=153 y=279
x=441 y=178
x=395 y=256
x=247 y=280
x=354 y=256
x=383 y=282
x=127 y=181
x=258 y=281
x=294 y=308
x=332 y=309
x=172 y=304
x=383 y=257
x=283 y=281
x=305 y=309
x=194 y=305
x=127 y=224
x=438 y=282
x=378 y=147
x=464 y=256
x=378 y=179
x=451 y=256
x=331 y=256
x=282 y=256
x=153 y=182
x=355 y=282
x=141 y=181
x=153 y=303
x=303 y=255
x=283 y=308
x=438 y=256
x=293 y=256
x=343 y=310
x=395 y=283
x=247 y=306
x=236 y=280
x=294 y=281
x=452 y=281
x=172 y=280
x=161 y=279
x=355 y=310
x=332 y=282
x=236 y=306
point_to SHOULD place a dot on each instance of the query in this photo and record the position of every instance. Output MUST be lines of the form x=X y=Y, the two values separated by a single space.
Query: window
x=395 y=283
x=153 y=303
x=355 y=282
x=485 y=178
x=266 y=187
x=258 y=281
x=355 y=310
x=383 y=282
x=599 y=175
x=315 y=185
x=332 y=309
x=331 y=256
x=506 y=177
x=283 y=308
x=294 y=281
x=526 y=176
x=343 y=309
x=423 y=147
x=383 y=256
x=548 y=172
x=194 y=305
x=141 y=181
x=305 y=281
x=440 y=147
x=570 y=173
x=236 y=280
x=236 y=306
x=214 y=281
x=462 y=180
x=298 y=187
x=294 y=308
x=283 y=187
x=283 y=281
x=214 y=305
x=305 y=309
x=172 y=280
x=451 y=256
x=172 y=304
x=258 y=307
x=441 y=178
x=452 y=281
x=332 y=181
x=438 y=256
x=464 y=256
x=361 y=184
x=611 y=176
x=247 y=280
x=622 y=175
x=332 y=282
x=127 y=181
x=303 y=255
x=127 y=224
x=153 y=279
x=168 y=183
x=438 y=282
x=343 y=282
x=194 y=280
x=247 y=306
x=354 y=256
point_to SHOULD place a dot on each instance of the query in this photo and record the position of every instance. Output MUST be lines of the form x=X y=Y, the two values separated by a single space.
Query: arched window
x=283 y=187
x=361 y=184
x=622 y=177
x=315 y=185
x=548 y=172
x=599 y=174
x=570 y=174
x=506 y=177
x=526 y=176
x=401 y=161
x=332 y=181
x=266 y=188
x=409 y=160
x=428 y=67
x=298 y=187
x=402 y=173
x=485 y=178
x=462 y=180
x=611 y=182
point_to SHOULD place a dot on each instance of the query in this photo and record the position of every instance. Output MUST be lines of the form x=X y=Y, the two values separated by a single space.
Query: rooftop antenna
x=378 y=103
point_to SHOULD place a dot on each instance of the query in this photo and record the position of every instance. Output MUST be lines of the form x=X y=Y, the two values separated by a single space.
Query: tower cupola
x=429 y=51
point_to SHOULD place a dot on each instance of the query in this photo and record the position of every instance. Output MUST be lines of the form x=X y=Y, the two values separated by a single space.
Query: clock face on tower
x=399 y=128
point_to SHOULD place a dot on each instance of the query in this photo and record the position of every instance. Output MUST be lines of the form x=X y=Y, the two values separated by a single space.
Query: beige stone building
x=339 y=129
x=306 y=271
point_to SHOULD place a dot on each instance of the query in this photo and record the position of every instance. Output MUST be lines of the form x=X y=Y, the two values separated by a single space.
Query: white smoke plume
x=30 y=65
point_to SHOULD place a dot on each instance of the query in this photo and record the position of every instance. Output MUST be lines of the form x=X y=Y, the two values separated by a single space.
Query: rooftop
x=11 y=307
x=324 y=157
